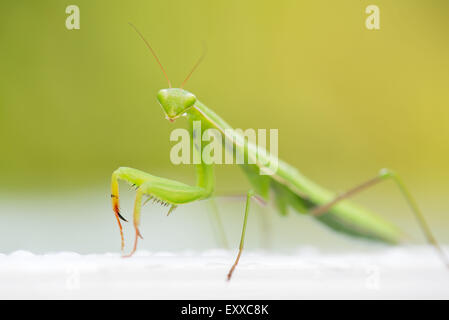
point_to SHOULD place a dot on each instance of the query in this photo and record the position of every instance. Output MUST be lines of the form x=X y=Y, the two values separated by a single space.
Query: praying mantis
x=287 y=186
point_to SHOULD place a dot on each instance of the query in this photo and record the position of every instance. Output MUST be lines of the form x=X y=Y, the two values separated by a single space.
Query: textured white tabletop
x=407 y=272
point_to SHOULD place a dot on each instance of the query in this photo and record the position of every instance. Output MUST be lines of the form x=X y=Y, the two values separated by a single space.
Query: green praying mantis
x=287 y=186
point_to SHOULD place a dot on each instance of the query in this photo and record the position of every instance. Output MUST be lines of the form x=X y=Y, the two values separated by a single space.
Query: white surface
x=407 y=272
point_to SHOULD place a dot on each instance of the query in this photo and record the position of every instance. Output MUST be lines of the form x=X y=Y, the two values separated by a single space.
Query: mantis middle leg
x=249 y=195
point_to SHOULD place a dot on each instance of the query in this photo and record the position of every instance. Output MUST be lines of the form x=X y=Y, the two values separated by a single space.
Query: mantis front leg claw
x=136 y=219
x=116 y=208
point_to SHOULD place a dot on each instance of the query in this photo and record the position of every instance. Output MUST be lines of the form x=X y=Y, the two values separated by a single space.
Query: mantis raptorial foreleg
x=164 y=191
x=384 y=175
x=249 y=195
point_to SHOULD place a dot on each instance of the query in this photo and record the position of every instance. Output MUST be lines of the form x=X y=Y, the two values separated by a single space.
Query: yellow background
x=75 y=105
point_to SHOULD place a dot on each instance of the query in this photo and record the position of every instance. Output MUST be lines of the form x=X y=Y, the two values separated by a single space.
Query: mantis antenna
x=152 y=51
x=194 y=68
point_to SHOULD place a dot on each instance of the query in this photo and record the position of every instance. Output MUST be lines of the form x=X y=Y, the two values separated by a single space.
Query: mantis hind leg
x=164 y=191
x=383 y=175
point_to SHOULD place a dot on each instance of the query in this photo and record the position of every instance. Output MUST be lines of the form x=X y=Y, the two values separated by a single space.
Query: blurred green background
x=75 y=105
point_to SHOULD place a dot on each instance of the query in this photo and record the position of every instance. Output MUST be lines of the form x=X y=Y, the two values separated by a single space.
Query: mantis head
x=175 y=102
